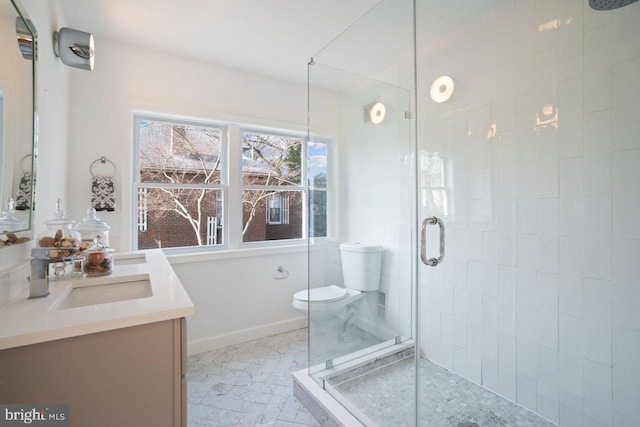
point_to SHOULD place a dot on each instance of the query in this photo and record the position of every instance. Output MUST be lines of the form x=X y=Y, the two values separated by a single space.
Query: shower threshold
x=378 y=389
x=320 y=395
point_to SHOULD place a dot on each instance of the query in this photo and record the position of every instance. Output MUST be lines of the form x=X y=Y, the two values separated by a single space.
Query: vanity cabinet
x=131 y=376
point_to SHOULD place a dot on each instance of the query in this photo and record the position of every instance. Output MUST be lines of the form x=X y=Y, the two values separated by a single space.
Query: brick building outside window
x=182 y=185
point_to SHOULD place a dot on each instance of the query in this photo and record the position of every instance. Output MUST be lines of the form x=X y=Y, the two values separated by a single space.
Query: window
x=179 y=184
x=278 y=209
x=275 y=188
x=270 y=164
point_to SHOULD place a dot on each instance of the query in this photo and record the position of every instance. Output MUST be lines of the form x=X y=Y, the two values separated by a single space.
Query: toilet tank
x=361 y=266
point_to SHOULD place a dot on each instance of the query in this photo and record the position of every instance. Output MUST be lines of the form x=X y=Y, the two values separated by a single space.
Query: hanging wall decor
x=103 y=196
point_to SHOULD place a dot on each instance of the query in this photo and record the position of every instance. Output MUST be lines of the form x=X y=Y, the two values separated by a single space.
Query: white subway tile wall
x=545 y=215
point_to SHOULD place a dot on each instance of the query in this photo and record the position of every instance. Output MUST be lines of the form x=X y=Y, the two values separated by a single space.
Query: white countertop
x=26 y=321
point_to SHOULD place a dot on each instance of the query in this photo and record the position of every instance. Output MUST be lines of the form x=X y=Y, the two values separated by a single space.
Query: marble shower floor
x=248 y=384
x=446 y=399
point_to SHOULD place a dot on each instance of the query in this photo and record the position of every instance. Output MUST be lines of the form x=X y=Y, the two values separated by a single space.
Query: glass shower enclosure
x=503 y=135
x=370 y=207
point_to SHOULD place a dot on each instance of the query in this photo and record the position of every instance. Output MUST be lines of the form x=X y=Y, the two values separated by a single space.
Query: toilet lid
x=324 y=294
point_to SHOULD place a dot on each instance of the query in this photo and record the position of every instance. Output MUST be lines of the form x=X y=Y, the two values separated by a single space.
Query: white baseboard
x=243 y=335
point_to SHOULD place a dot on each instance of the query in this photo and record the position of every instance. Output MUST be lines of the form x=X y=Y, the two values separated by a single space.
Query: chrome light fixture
x=74 y=48
x=26 y=35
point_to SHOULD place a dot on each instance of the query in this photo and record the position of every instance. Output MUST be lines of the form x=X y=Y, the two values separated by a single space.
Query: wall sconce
x=26 y=35
x=441 y=89
x=74 y=48
x=375 y=112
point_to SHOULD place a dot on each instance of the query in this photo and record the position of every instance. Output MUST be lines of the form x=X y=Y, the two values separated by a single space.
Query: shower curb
x=324 y=408
x=323 y=404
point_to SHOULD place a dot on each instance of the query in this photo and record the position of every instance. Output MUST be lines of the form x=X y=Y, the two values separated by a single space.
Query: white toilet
x=361 y=273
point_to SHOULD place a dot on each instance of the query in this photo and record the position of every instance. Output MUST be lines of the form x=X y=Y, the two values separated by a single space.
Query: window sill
x=219 y=255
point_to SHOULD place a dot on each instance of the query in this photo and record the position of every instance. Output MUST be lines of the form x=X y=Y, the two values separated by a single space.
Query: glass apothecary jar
x=98 y=260
x=8 y=221
x=8 y=224
x=91 y=227
x=59 y=235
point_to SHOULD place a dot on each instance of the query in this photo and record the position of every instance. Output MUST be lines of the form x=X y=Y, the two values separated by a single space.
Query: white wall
x=240 y=295
x=53 y=111
x=126 y=79
x=538 y=297
x=234 y=293
x=84 y=115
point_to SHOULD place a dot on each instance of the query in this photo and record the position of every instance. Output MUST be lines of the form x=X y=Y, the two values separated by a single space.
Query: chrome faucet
x=39 y=278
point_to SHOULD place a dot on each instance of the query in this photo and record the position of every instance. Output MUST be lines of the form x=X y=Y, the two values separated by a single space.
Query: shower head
x=609 y=4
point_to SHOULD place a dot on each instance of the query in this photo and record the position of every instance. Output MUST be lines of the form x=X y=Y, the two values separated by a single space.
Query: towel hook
x=103 y=160
x=281 y=270
x=24 y=170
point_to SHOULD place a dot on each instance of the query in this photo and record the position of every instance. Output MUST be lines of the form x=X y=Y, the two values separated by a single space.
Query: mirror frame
x=21 y=14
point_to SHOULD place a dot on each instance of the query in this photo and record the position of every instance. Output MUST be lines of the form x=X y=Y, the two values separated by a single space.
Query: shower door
x=528 y=153
x=368 y=200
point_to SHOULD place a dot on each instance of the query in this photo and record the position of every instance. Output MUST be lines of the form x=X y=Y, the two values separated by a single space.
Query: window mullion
x=185 y=186
x=234 y=204
x=273 y=187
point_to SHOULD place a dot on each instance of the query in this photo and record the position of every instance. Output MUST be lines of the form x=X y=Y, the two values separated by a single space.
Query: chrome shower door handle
x=432 y=262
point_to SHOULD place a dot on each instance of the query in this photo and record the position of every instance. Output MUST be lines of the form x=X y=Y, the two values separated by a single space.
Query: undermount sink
x=107 y=291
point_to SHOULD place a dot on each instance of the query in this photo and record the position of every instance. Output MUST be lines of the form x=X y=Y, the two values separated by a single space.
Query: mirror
x=17 y=118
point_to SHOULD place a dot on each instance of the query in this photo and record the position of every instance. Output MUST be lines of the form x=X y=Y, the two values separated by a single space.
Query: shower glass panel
x=368 y=204
x=528 y=152
x=362 y=80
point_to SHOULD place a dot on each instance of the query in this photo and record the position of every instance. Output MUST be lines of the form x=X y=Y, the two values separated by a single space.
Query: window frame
x=283 y=209
x=302 y=187
x=231 y=183
x=137 y=184
x=328 y=142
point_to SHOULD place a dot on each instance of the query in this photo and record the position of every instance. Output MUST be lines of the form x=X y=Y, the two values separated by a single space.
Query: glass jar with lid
x=98 y=260
x=90 y=227
x=59 y=235
x=8 y=221
x=8 y=224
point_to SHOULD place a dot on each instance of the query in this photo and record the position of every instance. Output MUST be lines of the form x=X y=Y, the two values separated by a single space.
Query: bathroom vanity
x=113 y=347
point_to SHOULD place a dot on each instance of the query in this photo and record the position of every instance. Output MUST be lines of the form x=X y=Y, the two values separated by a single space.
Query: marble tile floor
x=248 y=384
x=446 y=399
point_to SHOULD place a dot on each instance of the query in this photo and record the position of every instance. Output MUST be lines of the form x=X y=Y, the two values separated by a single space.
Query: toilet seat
x=324 y=294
